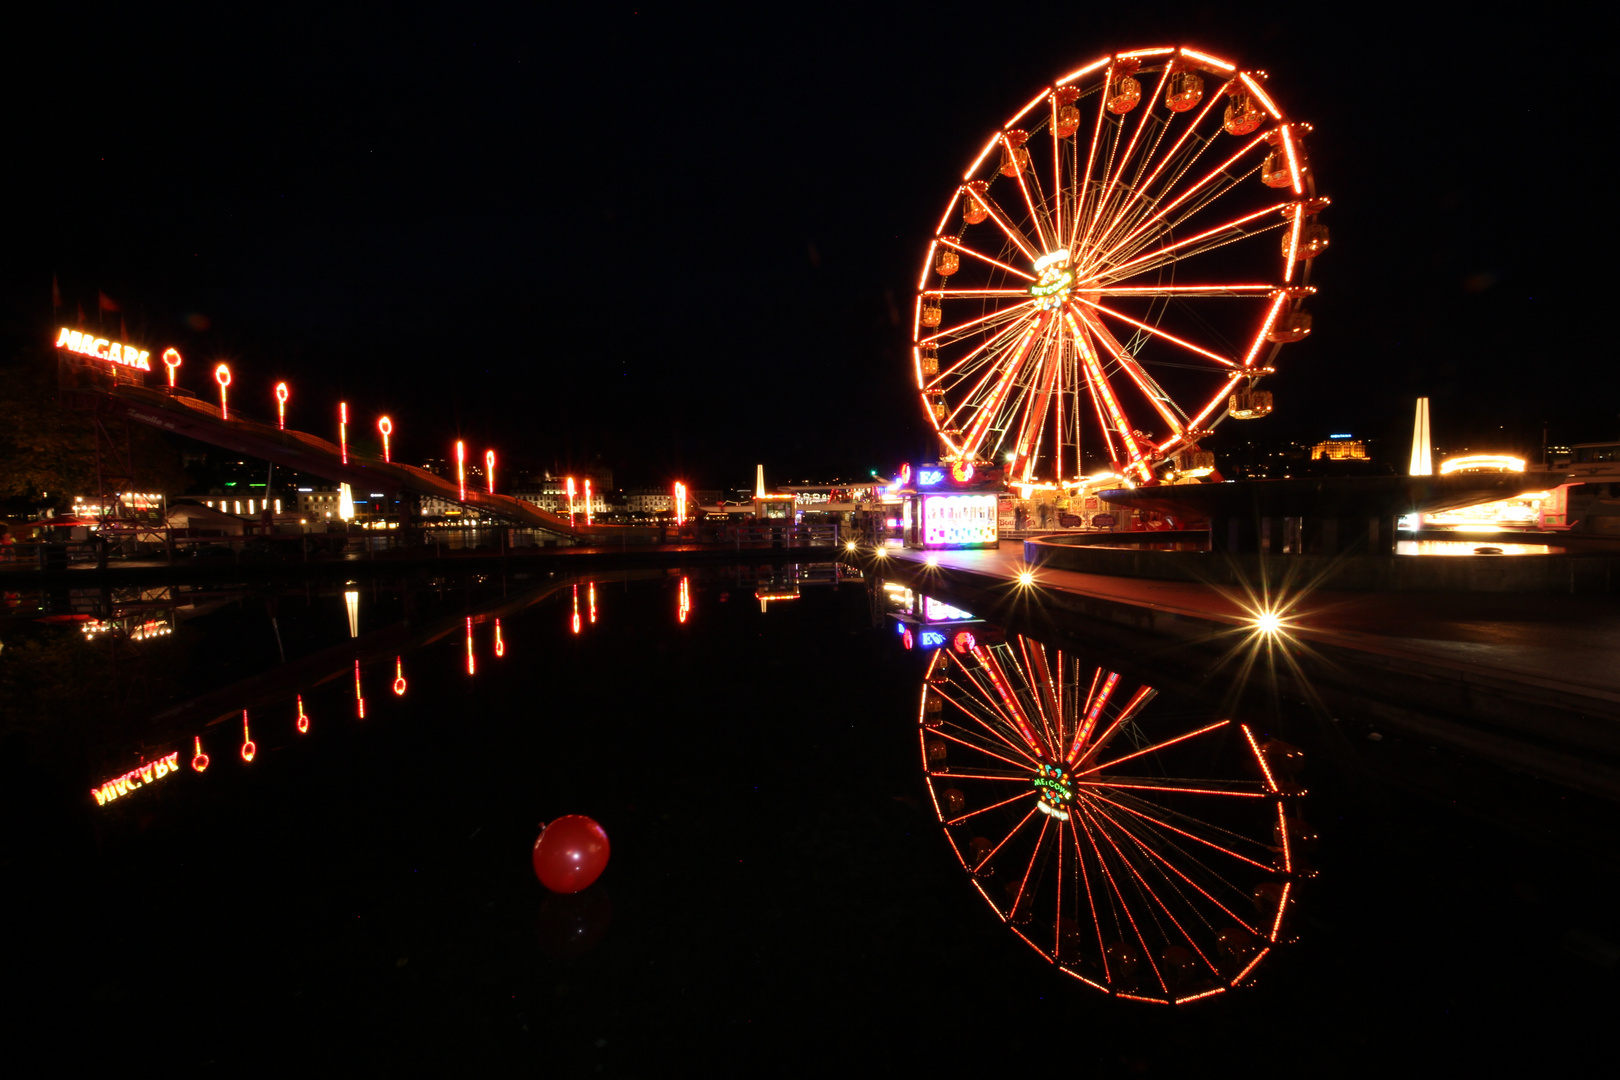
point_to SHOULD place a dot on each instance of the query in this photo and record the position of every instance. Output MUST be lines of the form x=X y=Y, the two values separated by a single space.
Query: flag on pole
x=106 y=301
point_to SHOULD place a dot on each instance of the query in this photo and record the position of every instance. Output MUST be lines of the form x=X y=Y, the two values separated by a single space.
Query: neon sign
x=386 y=426
x=399 y=676
x=500 y=642
x=303 y=717
x=489 y=466
x=222 y=375
x=930 y=477
x=959 y=520
x=138 y=777
x=248 y=747
x=130 y=356
x=932 y=639
x=171 y=364
x=200 y=760
x=281 y=401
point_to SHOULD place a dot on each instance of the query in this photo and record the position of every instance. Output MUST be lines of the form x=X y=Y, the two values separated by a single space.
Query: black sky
x=676 y=238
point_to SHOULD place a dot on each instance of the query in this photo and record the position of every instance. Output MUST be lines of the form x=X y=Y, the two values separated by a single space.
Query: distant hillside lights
x=132 y=356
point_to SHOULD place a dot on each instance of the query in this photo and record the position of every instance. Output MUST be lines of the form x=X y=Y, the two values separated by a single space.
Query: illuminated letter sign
x=929 y=477
x=138 y=777
x=932 y=639
x=130 y=356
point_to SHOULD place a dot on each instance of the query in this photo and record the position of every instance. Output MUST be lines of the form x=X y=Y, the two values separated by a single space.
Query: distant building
x=1339 y=448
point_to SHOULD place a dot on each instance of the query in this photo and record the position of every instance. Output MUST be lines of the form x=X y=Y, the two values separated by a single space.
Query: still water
x=780 y=895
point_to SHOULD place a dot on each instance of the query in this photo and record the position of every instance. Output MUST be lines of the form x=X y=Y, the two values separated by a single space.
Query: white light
x=1267 y=622
x=932 y=560
x=1052 y=258
x=1026 y=578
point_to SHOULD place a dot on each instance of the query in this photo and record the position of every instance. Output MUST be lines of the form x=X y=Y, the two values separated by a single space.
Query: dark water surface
x=779 y=897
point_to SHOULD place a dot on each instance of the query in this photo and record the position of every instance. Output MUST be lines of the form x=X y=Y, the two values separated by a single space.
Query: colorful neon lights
x=386 y=426
x=248 y=748
x=147 y=772
x=303 y=718
x=399 y=676
x=130 y=356
x=171 y=364
x=222 y=375
x=958 y=520
x=199 y=760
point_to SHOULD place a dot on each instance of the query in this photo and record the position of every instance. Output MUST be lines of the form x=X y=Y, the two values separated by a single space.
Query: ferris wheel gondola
x=1126 y=256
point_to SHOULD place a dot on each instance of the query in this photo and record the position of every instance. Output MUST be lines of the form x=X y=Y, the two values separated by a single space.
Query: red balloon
x=570 y=854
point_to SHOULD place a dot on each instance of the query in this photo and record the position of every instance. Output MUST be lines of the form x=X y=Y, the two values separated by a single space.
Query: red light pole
x=343 y=429
x=461 y=468
x=489 y=468
x=281 y=406
x=386 y=426
x=222 y=375
x=171 y=360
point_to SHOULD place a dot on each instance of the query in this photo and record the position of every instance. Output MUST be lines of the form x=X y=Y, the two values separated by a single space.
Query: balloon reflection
x=199 y=760
x=500 y=642
x=303 y=718
x=248 y=749
x=399 y=676
x=1152 y=859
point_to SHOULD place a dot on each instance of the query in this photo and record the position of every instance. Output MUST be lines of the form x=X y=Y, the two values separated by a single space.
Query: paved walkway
x=1556 y=641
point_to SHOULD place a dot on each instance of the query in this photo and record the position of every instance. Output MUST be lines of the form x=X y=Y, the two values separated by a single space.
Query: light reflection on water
x=1482 y=546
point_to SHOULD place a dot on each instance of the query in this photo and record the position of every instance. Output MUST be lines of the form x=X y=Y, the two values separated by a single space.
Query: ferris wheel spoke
x=1009 y=699
x=1013 y=234
x=1091 y=900
x=1198 y=186
x=1027 y=445
x=1153 y=330
x=1097 y=749
x=992 y=806
x=1150 y=784
x=1156 y=291
x=1022 y=776
x=952 y=332
x=1171 y=155
x=991 y=854
x=1223 y=230
x=980 y=425
x=1035 y=664
x=1125 y=159
x=1106 y=402
x=997 y=263
x=1013 y=722
x=972 y=294
x=1278 y=302
x=1023 y=883
x=1144 y=382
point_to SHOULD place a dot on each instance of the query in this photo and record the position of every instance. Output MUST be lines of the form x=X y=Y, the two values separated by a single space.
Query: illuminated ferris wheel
x=1151 y=860
x=1123 y=260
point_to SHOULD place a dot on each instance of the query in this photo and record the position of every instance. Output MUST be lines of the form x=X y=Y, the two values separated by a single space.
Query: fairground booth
x=950 y=506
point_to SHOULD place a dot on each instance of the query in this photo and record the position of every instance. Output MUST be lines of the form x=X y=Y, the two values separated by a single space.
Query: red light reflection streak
x=461 y=468
x=1014 y=711
x=399 y=676
x=1120 y=896
x=685 y=607
x=1282 y=905
x=1057 y=908
x=1017 y=777
x=1282 y=831
x=1024 y=884
x=359 y=699
x=472 y=664
x=199 y=760
x=1271 y=782
x=1171 y=787
x=1099 y=701
x=303 y=719
x=1015 y=830
x=1093 y=793
x=1035 y=664
x=500 y=642
x=248 y=749
x=589 y=510
x=576 y=609
x=591 y=591
x=1000 y=737
x=964 y=249
x=172 y=366
x=1136 y=704
x=222 y=375
x=1174 y=290
x=1143 y=886
x=1091 y=901
x=992 y=806
x=1147 y=750
x=975 y=746
x=343 y=429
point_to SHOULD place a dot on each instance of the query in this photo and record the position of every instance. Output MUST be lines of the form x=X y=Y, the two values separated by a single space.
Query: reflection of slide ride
x=1152 y=860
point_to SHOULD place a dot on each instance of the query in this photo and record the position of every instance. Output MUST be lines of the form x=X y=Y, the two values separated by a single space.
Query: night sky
x=687 y=241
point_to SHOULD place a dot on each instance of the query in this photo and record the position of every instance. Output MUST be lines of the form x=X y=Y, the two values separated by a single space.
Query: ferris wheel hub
x=1055 y=791
x=1053 y=280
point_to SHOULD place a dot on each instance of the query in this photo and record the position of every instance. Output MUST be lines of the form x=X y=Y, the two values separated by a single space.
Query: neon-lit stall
x=951 y=506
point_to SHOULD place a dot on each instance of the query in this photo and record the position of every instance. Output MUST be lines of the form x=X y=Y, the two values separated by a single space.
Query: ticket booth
x=951 y=507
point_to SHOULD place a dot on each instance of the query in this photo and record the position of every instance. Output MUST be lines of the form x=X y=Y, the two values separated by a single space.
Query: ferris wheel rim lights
x=1104 y=227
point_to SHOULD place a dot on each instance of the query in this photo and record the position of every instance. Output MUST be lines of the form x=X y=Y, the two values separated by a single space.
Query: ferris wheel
x=1151 y=860
x=1117 y=271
